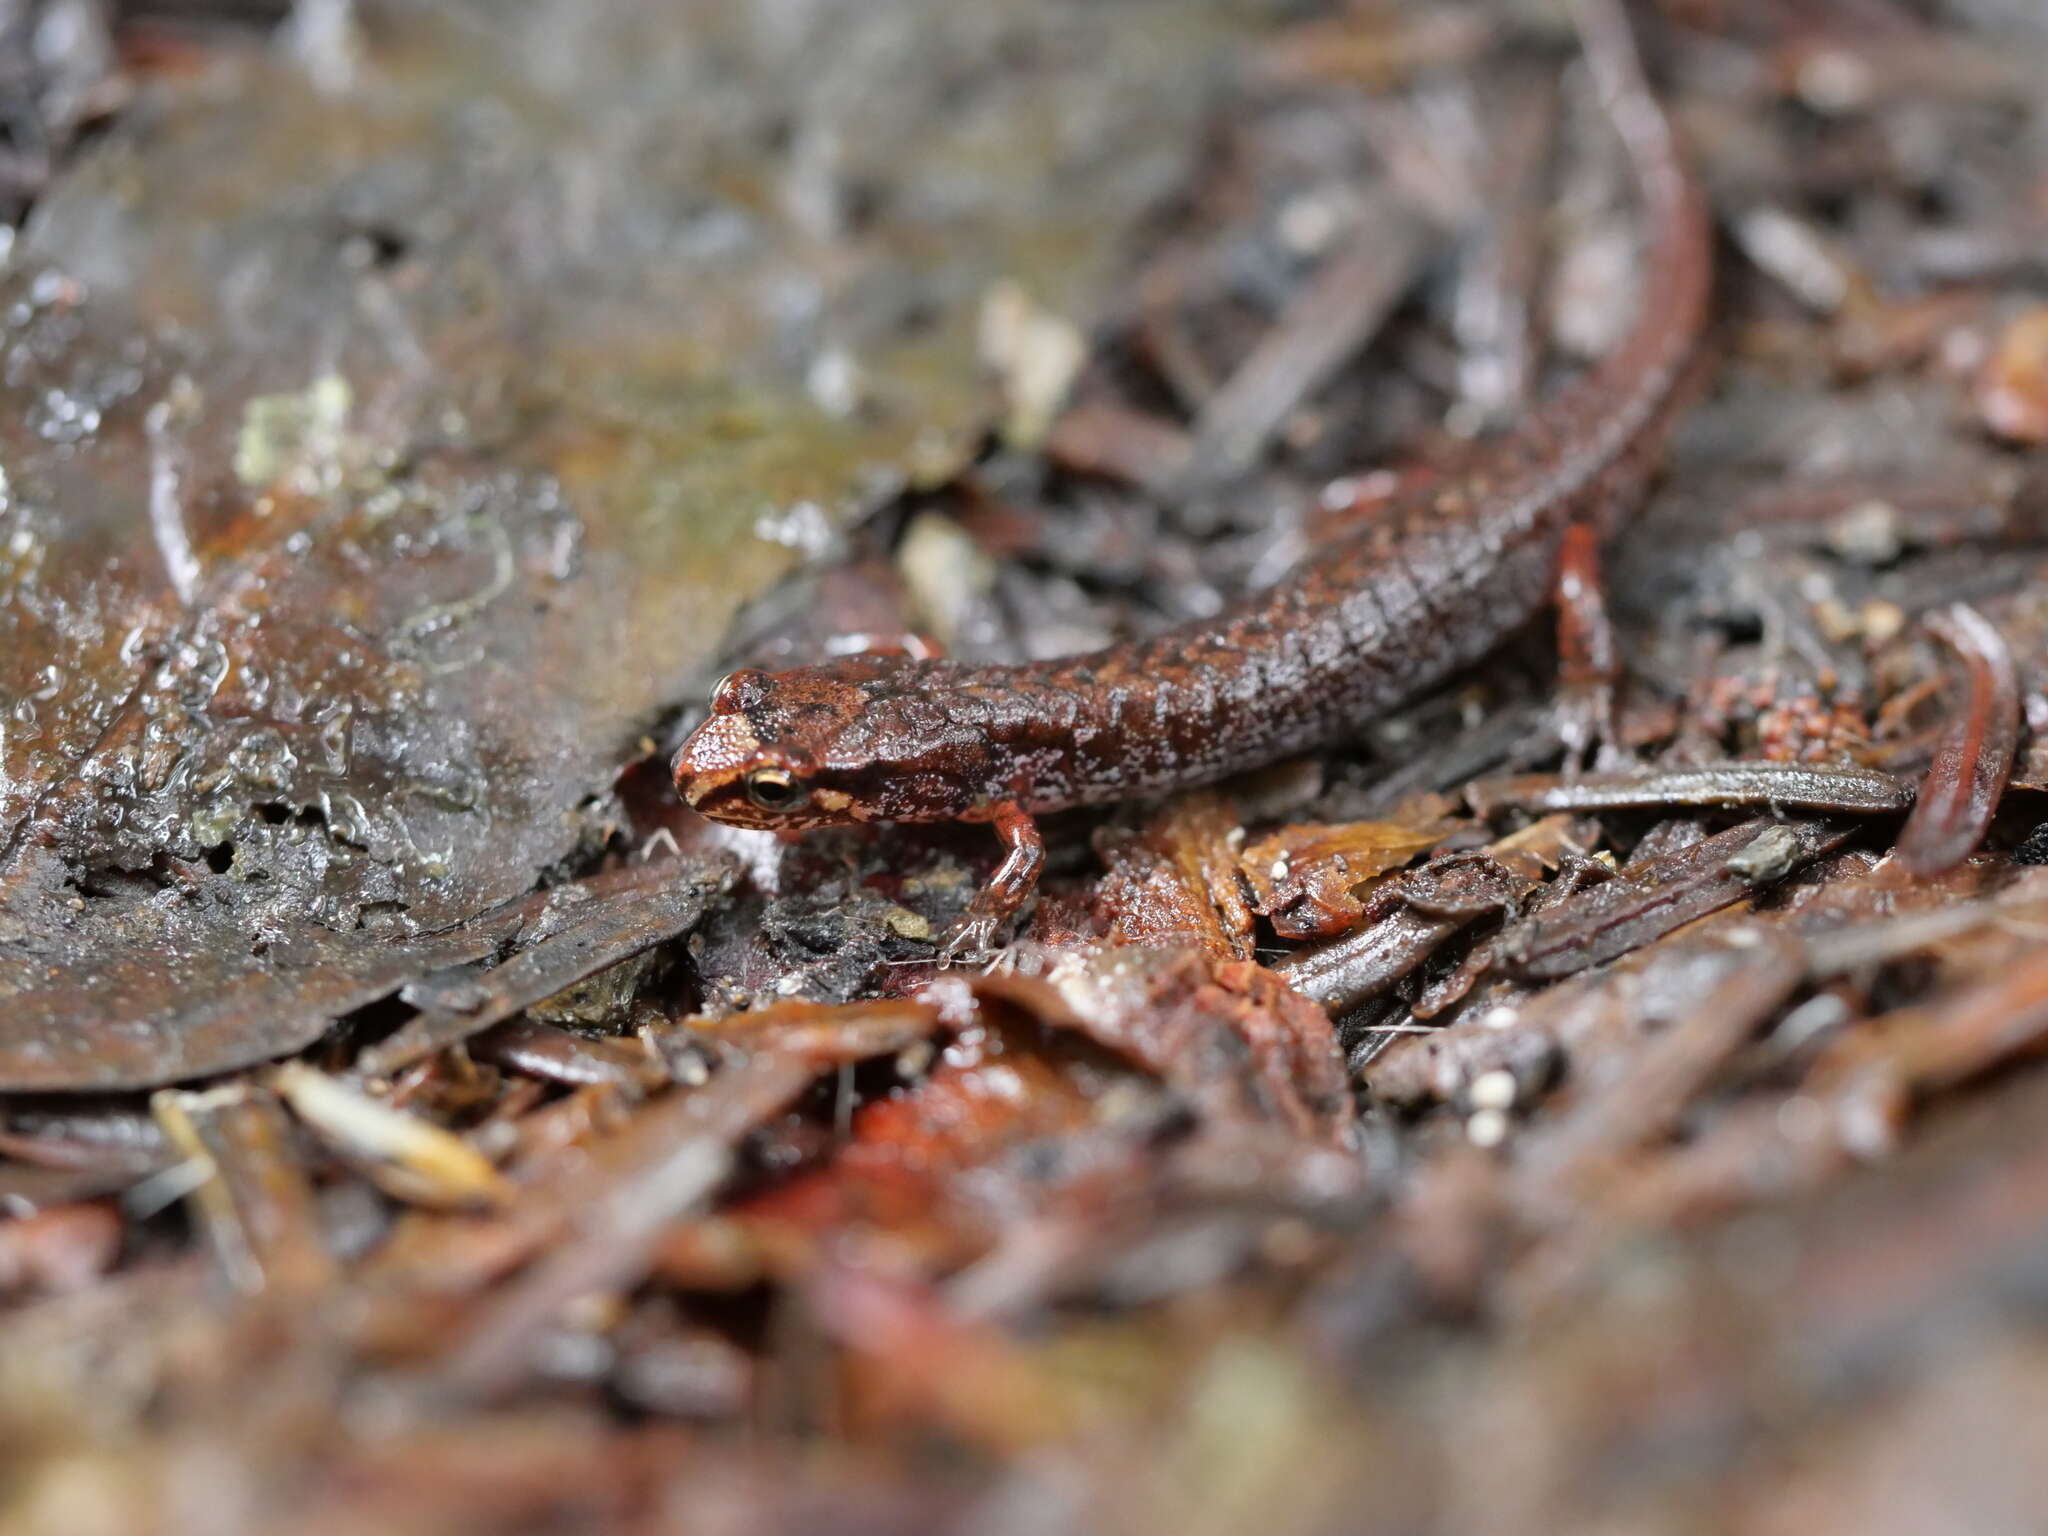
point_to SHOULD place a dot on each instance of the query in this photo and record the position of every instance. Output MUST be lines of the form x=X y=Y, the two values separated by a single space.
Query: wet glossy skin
x=1430 y=584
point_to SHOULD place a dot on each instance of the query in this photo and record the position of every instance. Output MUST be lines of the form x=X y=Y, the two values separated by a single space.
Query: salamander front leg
x=1007 y=889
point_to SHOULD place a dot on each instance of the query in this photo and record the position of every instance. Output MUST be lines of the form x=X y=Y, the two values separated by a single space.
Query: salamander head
x=823 y=746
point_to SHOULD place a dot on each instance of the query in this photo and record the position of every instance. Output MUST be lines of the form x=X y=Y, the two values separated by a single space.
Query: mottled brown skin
x=1430 y=584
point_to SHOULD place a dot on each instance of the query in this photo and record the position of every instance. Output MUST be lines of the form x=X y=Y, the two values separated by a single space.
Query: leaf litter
x=410 y=1119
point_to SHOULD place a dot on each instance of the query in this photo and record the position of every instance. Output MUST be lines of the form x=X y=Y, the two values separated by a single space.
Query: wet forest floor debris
x=412 y=1119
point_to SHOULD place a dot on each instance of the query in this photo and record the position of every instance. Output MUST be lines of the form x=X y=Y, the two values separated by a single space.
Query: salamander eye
x=775 y=789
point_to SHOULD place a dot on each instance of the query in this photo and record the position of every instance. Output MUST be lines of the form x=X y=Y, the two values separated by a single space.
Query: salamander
x=1425 y=585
